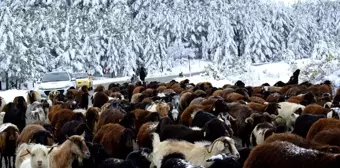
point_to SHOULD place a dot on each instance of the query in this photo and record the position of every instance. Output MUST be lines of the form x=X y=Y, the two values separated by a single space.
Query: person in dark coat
x=142 y=73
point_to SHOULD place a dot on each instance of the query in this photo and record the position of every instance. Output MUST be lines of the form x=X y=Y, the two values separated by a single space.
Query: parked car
x=60 y=81
x=83 y=79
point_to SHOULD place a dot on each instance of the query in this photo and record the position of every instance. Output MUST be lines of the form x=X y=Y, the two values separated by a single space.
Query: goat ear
x=83 y=134
x=67 y=137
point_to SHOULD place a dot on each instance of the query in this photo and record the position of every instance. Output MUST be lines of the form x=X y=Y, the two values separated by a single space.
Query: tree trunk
x=7 y=81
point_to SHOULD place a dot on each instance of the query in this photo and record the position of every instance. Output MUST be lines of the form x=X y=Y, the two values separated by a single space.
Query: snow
x=9 y=95
x=294 y=150
x=110 y=80
x=195 y=66
x=266 y=73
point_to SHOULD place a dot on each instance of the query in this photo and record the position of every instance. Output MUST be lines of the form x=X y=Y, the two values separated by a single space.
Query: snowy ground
x=109 y=80
x=270 y=73
x=195 y=66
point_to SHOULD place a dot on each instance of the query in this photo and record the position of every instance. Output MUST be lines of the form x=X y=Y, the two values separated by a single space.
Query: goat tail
x=156 y=140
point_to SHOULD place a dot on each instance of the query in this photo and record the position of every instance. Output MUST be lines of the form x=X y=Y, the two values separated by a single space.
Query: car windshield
x=54 y=77
x=80 y=75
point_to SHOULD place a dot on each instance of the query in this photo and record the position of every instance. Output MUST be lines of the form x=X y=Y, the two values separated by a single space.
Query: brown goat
x=301 y=142
x=109 y=116
x=117 y=140
x=271 y=108
x=186 y=99
x=328 y=137
x=74 y=148
x=322 y=124
x=161 y=89
x=63 y=116
x=27 y=134
x=187 y=115
x=274 y=98
x=256 y=99
x=144 y=136
x=92 y=116
x=315 y=109
x=285 y=154
x=99 y=99
x=143 y=116
x=233 y=97
x=99 y=88
x=138 y=89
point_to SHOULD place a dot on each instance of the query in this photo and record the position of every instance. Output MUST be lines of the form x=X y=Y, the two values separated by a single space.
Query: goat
x=195 y=153
x=285 y=154
x=32 y=156
x=73 y=148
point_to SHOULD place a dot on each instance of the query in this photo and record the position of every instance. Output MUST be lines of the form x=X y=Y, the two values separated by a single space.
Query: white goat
x=288 y=114
x=35 y=112
x=32 y=156
x=196 y=153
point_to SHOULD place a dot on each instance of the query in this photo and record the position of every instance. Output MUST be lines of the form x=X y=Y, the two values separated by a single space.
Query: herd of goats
x=175 y=125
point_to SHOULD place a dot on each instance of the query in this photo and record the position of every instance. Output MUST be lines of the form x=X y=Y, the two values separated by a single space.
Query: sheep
x=62 y=116
x=98 y=154
x=117 y=140
x=32 y=156
x=15 y=112
x=304 y=122
x=136 y=159
x=303 y=99
x=275 y=98
x=212 y=130
x=271 y=108
x=328 y=137
x=197 y=100
x=195 y=153
x=160 y=107
x=243 y=121
x=186 y=99
x=109 y=116
x=144 y=134
x=301 y=142
x=201 y=118
x=315 y=109
x=36 y=112
x=322 y=124
x=92 y=116
x=75 y=128
x=215 y=106
x=256 y=99
x=176 y=160
x=285 y=154
x=8 y=135
x=288 y=114
x=262 y=131
x=35 y=133
x=143 y=116
x=73 y=148
x=99 y=99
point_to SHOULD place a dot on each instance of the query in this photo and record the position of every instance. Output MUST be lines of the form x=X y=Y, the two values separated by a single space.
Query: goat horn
x=254 y=115
x=213 y=144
